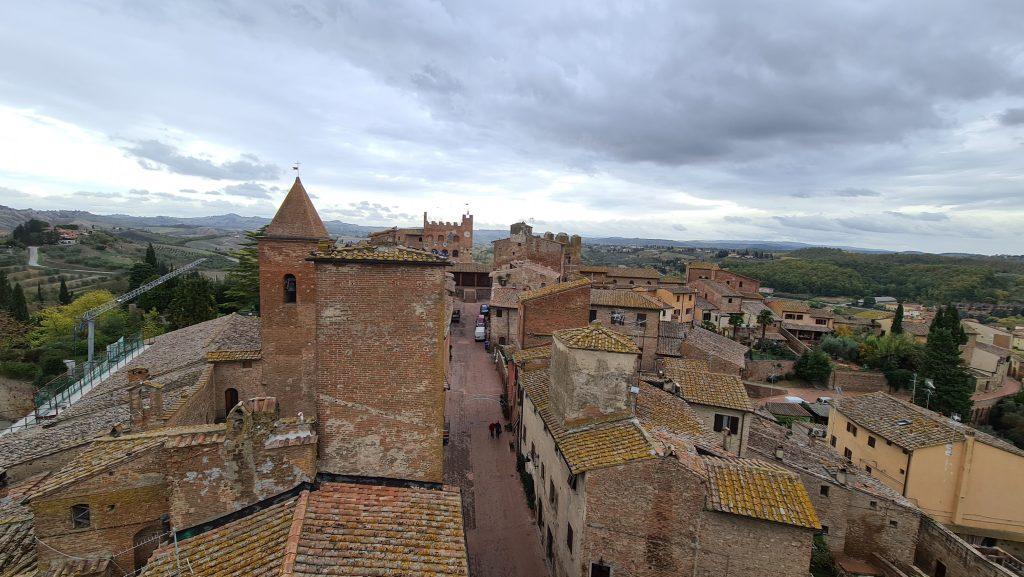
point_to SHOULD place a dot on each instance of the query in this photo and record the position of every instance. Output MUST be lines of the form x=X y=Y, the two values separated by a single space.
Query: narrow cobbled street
x=500 y=531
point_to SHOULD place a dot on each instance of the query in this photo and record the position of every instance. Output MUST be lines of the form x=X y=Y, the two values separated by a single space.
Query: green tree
x=822 y=563
x=193 y=302
x=814 y=366
x=765 y=318
x=897 y=320
x=5 y=292
x=943 y=365
x=242 y=290
x=19 y=306
x=140 y=273
x=735 y=321
x=150 y=257
x=39 y=294
x=65 y=296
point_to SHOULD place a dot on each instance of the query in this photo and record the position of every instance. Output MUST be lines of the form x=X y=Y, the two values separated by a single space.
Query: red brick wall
x=642 y=519
x=540 y=317
x=122 y=502
x=288 y=329
x=645 y=338
x=435 y=237
x=537 y=249
x=247 y=381
x=380 y=377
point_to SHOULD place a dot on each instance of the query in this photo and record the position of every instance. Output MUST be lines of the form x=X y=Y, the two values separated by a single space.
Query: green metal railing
x=62 y=390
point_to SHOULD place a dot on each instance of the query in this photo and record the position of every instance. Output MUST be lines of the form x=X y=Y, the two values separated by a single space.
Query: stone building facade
x=451 y=240
x=558 y=252
x=621 y=489
x=632 y=313
x=544 y=311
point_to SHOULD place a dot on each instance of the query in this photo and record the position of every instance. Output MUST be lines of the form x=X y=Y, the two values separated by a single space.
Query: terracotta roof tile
x=594 y=447
x=227 y=356
x=343 y=529
x=78 y=567
x=627 y=299
x=384 y=254
x=624 y=271
x=531 y=354
x=553 y=289
x=296 y=217
x=787 y=410
x=504 y=297
x=910 y=426
x=594 y=337
x=659 y=409
x=469 y=267
x=760 y=490
x=17 y=547
x=699 y=386
x=720 y=346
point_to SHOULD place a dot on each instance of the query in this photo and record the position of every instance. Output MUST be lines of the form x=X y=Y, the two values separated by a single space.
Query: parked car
x=456 y=316
x=480 y=320
x=480 y=333
x=485 y=309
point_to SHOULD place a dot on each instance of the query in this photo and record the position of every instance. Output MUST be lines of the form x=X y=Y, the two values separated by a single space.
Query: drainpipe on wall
x=964 y=477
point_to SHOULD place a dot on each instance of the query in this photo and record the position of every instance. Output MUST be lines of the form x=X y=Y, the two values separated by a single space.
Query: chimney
x=146 y=405
x=137 y=375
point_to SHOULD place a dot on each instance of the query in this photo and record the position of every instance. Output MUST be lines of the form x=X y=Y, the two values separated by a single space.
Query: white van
x=479 y=333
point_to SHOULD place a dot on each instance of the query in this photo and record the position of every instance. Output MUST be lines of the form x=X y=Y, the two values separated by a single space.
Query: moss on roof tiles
x=700 y=386
x=760 y=490
x=595 y=337
x=553 y=289
x=370 y=254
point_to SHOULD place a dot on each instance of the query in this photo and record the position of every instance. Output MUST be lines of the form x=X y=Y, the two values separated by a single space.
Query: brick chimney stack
x=146 y=404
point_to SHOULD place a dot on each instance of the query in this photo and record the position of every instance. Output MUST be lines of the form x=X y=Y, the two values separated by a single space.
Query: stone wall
x=646 y=338
x=860 y=381
x=118 y=512
x=737 y=545
x=380 y=369
x=16 y=400
x=201 y=406
x=246 y=380
x=761 y=370
x=504 y=326
x=542 y=316
x=938 y=545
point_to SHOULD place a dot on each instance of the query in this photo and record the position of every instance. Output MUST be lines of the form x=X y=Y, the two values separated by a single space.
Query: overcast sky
x=878 y=124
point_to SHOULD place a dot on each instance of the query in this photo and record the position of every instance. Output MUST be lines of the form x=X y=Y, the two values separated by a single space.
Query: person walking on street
x=497 y=430
x=490 y=429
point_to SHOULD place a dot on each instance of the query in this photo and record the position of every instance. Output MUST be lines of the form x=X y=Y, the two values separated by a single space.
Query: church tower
x=287 y=302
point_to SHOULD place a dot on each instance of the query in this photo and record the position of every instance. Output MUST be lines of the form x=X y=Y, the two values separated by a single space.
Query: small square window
x=848 y=453
x=600 y=570
x=868 y=469
x=871 y=441
x=80 y=517
x=824 y=529
x=832 y=441
x=873 y=504
x=893 y=523
x=246 y=364
x=824 y=490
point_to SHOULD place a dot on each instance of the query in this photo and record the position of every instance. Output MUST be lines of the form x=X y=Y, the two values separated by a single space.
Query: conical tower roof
x=297 y=218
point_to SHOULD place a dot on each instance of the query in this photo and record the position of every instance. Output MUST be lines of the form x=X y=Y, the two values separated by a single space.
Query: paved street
x=500 y=530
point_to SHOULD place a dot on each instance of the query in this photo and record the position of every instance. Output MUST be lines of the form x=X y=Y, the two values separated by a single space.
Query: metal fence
x=66 y=388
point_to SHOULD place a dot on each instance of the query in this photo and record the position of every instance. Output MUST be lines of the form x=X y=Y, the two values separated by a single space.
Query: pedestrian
x=490 y=429
x=497 y=427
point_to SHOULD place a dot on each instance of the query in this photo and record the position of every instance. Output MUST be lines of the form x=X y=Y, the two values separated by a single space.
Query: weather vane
x=295 y=167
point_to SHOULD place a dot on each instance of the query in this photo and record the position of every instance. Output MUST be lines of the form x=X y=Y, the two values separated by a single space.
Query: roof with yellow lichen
x=227 y=356
x=107 y=452
x=595 y=337
x=593 y=447
x=343 y=529
x=385 y=254
x=553 y=289
x=760 y=490
x=625 y=299
x=661 y=410
x=532 y=354
x=698 y=385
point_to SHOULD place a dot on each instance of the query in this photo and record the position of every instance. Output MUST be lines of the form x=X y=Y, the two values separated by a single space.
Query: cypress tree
x=19 y=306
x=64 y=296
x=942 y=363
x=39 y=294
x=897 y=320
x=150 y=256
x=5 y=292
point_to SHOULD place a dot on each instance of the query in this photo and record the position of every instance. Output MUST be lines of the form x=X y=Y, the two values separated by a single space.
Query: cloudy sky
x=878 y=124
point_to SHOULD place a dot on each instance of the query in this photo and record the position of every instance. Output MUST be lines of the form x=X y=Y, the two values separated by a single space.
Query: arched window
x=440 y=238
x=290 y=288
x=230 y=399
x=444 y=252
x=455 y=253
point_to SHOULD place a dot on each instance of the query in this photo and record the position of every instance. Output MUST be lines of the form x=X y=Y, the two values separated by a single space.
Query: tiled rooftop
x=296 y=218
x=532 y=354
x=384 y=254
x=632 y=272
x=504 y=297
x=78 y=567
x=815 y=457
x=699 y=386
x=718 y=345
x=595 y=447
x=671 y=335
x=910 y=426
x=17 y=547
x=626 y=299
x=659 y=410
x=343 y=529
x=787 y=410
x=175 y=359
x=760 y=490
x=701 y=265
x=553 y=289
x=594 y=337
x=469 y=267
x=107 y=452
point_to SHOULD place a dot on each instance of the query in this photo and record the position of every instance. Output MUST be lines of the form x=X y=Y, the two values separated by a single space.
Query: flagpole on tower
x=295 y=167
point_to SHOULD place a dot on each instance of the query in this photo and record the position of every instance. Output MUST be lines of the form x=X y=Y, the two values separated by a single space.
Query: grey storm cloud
x=633 y=107
x=1012 y=116
x=156 y=155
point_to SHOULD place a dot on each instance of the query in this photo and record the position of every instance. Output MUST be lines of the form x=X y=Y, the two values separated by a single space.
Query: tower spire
x=297 y=217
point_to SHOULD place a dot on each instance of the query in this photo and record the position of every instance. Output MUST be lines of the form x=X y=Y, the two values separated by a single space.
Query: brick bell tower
x=288 y=303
